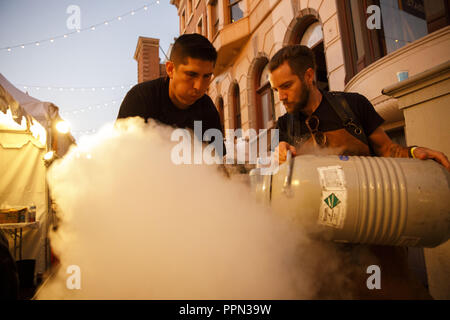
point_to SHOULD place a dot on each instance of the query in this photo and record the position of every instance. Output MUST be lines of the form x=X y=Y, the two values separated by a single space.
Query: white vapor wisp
x=140 y=227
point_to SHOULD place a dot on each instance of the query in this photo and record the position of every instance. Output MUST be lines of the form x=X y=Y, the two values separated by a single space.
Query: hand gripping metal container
x=386 y=201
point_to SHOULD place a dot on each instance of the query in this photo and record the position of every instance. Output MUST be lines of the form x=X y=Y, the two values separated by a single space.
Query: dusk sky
x=100 y=58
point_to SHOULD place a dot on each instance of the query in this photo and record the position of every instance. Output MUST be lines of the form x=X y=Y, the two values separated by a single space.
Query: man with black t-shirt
x=342 y=124
x=179 y=99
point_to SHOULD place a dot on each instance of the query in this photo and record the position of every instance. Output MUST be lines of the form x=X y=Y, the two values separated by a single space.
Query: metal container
x=387 y=201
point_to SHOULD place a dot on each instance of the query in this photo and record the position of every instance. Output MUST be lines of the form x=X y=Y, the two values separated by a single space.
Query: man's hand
x=282 y=149
x=384 y=147
x=425 y=153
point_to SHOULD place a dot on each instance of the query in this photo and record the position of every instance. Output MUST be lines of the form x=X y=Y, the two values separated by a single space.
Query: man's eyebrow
x=284 y=84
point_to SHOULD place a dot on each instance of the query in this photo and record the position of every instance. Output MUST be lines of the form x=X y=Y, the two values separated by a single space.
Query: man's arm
x=385 y=147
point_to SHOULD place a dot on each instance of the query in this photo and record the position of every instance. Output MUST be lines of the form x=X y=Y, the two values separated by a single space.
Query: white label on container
x=333 y=207
x=332 y=178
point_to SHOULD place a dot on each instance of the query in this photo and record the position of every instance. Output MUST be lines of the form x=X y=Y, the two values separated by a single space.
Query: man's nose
x=282 y=95
x=198 y=83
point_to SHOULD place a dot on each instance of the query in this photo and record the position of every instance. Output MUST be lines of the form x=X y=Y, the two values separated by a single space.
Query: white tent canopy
x=23 y=174
x=44 y=112
x=23 y=143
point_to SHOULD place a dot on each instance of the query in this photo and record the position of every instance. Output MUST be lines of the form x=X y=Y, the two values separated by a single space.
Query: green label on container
x=332 y=201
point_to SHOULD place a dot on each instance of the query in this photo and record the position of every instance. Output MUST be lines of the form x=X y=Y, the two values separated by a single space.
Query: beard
x=304 y=98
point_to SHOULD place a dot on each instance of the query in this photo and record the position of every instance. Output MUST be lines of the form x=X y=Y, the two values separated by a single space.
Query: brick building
x=148 y=61
x=352 y=55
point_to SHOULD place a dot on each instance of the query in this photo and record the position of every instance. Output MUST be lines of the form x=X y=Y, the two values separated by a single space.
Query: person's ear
x=310 y=76
x=170 y=67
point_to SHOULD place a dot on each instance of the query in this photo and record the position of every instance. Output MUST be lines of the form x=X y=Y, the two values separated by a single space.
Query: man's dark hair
x=300 y=58
x=192 y=45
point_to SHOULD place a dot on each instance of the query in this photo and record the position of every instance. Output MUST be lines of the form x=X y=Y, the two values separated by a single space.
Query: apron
x=338 y=142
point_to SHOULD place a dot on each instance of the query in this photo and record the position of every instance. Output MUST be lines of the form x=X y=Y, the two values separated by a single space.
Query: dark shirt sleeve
x=132 y=105
x=282 y=131
x=369 y=118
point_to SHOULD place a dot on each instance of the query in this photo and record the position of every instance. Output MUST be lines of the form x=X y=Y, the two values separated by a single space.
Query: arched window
x=308 y=31
x=236 y=101
x=313 y=38
x=264 y=101
x=219 y=106
x=313 y=35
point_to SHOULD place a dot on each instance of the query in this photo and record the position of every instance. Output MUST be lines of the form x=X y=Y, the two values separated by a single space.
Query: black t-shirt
x=151 y=100
x=329 y=120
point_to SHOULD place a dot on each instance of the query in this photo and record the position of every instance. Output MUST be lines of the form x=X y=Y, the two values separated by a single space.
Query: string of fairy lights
x=91 y=28
x=77 y=89
x=81 y=110
x=85 y=110
x=74 y=113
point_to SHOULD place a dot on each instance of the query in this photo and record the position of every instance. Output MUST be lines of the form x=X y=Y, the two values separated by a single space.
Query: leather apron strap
x=339 y=142
x=345 y=113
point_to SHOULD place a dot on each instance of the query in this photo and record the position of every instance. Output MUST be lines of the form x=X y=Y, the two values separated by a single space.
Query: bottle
x=32 y=213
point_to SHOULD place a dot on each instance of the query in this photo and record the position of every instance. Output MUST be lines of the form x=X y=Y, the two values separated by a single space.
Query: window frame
x=200 y=20
x=183 y=21
x=215 y=15
x=229 y=5
x=265 y=88
x=372 y=39
x=236 y=96
x=374 y=44
x=261 y=88
x=437 y=21
x=220 y=109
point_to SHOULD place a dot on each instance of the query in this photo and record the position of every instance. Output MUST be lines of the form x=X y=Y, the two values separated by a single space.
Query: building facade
x=148 y=61
x=360 y=46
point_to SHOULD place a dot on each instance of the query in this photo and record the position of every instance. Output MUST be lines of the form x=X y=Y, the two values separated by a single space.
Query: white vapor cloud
x=140 y=227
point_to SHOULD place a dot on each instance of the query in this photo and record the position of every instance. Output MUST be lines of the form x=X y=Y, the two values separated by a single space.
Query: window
x=236 y=9
x=313 y=35
x=205 y=31
x=183 y=21
x=403 y=21
x=358 y=28
x=214 y=18
x=265 y=103
x=219 y=106
x=313 y=38
x=200 y=26
x=237 y=107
